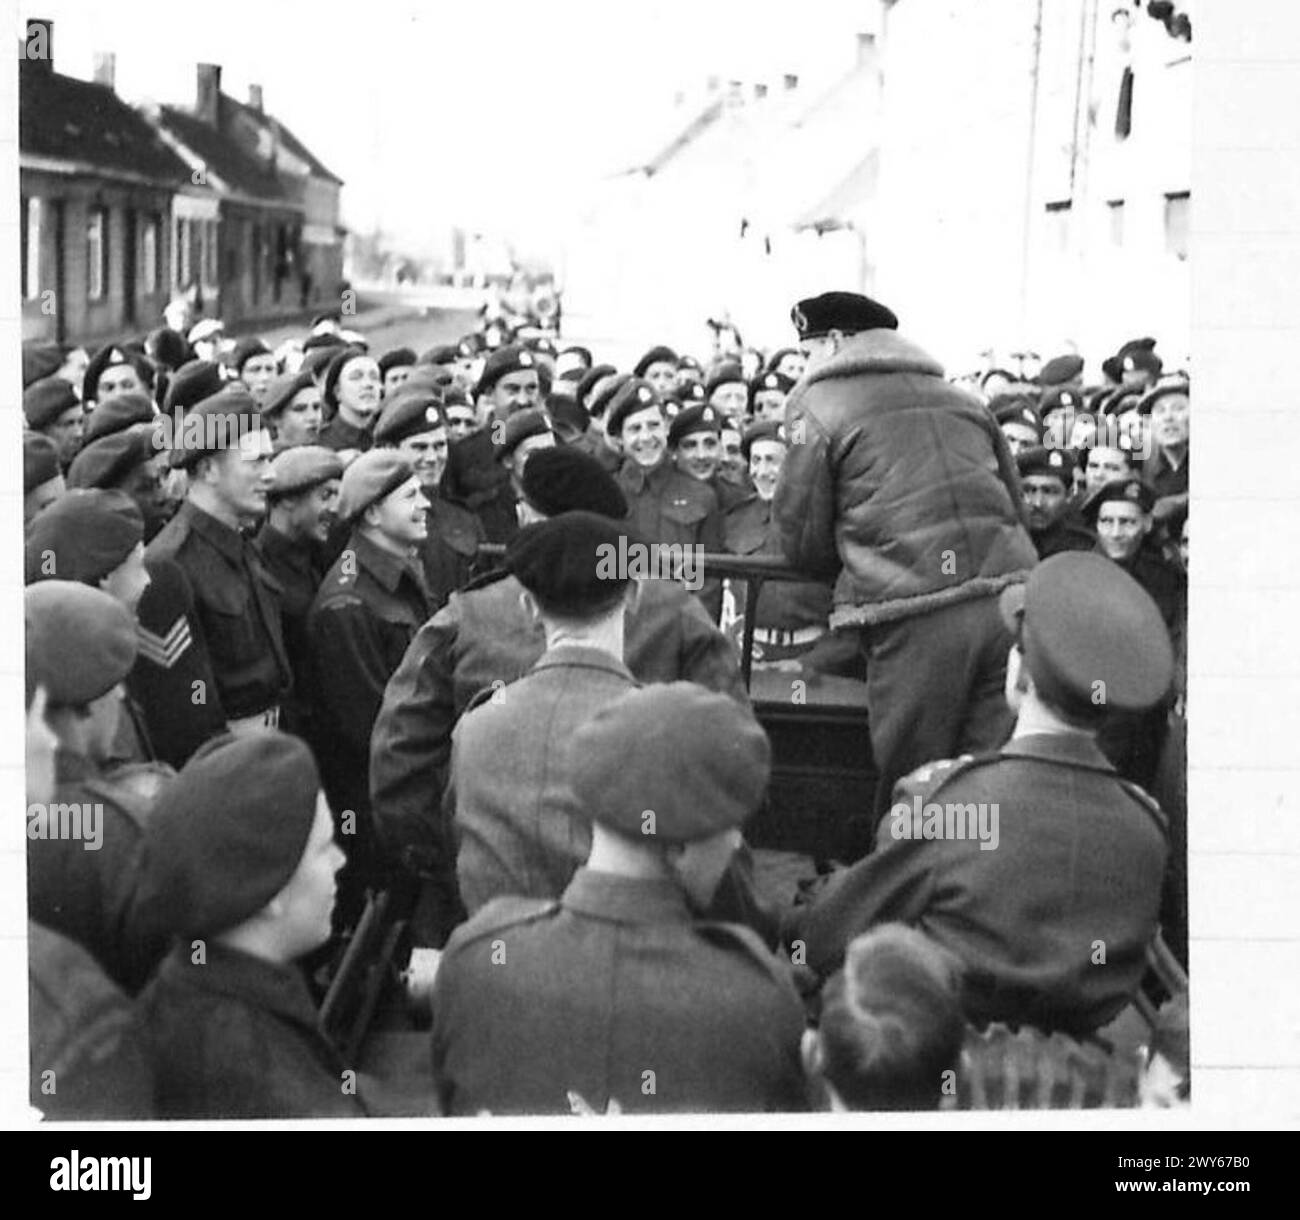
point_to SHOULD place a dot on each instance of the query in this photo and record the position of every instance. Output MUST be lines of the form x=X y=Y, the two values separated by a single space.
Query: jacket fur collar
x=876 y=351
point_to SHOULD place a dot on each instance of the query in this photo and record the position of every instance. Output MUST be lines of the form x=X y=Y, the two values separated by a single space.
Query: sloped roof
x=243 y=173
x=856 y=188
x=65 y=119
x=286 y=137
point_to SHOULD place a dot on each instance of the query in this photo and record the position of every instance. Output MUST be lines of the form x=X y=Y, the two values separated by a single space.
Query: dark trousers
x=935 y=689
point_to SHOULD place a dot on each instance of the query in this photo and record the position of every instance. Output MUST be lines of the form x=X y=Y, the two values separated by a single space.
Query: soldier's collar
x=1077 y=749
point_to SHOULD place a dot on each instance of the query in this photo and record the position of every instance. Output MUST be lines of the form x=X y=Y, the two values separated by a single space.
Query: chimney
x=106 y=69
x=790 y=81
x=38 y=45
x=255 y=97
x=866 y=49
x=760 y=92
x=207 y=104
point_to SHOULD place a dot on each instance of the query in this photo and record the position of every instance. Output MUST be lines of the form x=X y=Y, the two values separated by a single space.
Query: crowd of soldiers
x=315 y=625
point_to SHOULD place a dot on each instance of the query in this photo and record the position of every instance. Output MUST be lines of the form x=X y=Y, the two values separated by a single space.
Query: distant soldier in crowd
x=1045 y=482
x=370 y=605
x=394 y=369
x=412 y=423
x=239 y=872
x=254 y=364
x=292 y=410
x=115 y=370
x=1167 y=472
x=658 y=368
x=903 y=487
x=974 y=849
x=767 y=396
x=1018 y=418
x=695 y=448
x=485 y=639
x=52 y=408
x=627 y=1001
x=236 y=620
x=42 y=478
x=351 y=393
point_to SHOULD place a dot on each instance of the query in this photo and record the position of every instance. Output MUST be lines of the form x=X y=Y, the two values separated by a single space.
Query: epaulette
x=499 y=914
x=1147 y=801
x=931 y=776
x=738 y=937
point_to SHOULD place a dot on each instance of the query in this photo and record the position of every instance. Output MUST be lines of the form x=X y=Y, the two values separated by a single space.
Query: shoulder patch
x=167 y=649
x=933 y=773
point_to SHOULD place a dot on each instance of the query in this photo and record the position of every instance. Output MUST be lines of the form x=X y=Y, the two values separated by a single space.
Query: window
x=1115 y=214
x=149 y=255
x=181 y=256
x=210 y=273
x=1058 y=226
x=1177 y=222
x=31 y=242
x=97 y=254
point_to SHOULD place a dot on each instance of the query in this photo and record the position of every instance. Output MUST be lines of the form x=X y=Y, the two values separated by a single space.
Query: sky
x=492 y=116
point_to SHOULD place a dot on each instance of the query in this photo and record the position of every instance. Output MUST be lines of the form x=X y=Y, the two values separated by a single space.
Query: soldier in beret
x=658 y=367
x=119 y=413
x=83 y=852
x=1167 y=406
x=695 y=448
x=1139 y=366
x=116 y=370
x=483 y=639
x=370 y=605
x=302 y=491
x=1045 y=481
x=42 y=479
x=191 y=384
x=666 y=505
x=236 y=620
x=689 y=372
x=239 y=871
x=292 y=410
x=350 y=393
x=903 y=488
x=789 y=362
x=624 y=998
x=524 y=433
x=42 y=360
x=52 y=408
x=394 y=369
x=974 y=849
x=594 y=394
x=1062 y=372
x=253 y=363
x=727 y=390
x=510 y=382
x=457 y=410
x=1018 y=419
x=767 y=395
x=413 y=423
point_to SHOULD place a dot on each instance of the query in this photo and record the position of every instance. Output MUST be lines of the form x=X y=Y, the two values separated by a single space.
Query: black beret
x=40 y=360
x=691 y=392
x=281 y=391
x=444 y=353
x=1162 y=389
x=694 y=419
x=245 y=350
x=689 y=362
x=1142 y=359
x=1018 y=411
x=564 y=479
x=398 y=358
x=372 y=476
x=588 y=382
x=765 y=382
x=83 y=536
x=118 y=414
x=432 y=378
x=764 y=430
x=504 y=360
x=469 y=346
x=326 y=339
x=570 y=562
x=81 y=642
x=1145 y=344
x=107 y=461
x=631 y=396
x=541 y=343
x=409 y=412
x=1087 y=626
x=192 y=383
x=532 y=421
x=1063 y=399
x=301 y=468
x=671 y=762
x=227 y=834
x=847 y=312
x=780 y=354
x=1113 y=367
x=212 y=426
x=168 y=347
x=335 y=371
x=45 y=400
x=583 y=354
x=656 y=355
x=1117 y=402
x=1132 y=489
x=725 y=374
x=318 y=358
x=567 y=414
x=1059 y=370
x=110 y=357
x=454 y=396
x=1056 y=463
x=40 y=460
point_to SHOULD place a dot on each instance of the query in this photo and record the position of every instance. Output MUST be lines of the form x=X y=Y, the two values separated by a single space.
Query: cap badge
x=799 y=318
x=1130 y=363
x=644 y=394
x=431 y=415
x=116 y=357
x=1133 y=491
x=526 y=359
x=708 y=416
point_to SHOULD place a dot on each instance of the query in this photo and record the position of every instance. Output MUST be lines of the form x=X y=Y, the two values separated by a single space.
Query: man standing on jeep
x=902 y=486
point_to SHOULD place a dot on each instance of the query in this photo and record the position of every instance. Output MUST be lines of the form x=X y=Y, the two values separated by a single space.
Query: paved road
x=393 y=323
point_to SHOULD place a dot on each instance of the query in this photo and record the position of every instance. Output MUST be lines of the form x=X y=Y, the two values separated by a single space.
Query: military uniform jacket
x=670 y=507
x=783 y=605
x=1053 y=923
x=369 y=607
x=620 y=1000
x=339 y=435
x=477 y=481
x=86 y=892
x=236 y=1037
x=172 y=665
x=236 y=611
x=483 y=638
x=297 y=569
x=448 y=554
x=520 y=828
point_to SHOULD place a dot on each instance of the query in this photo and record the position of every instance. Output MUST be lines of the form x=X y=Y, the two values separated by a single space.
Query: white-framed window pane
x=149 y=256
x=210 y=275
x=32 y=250
x=95 y=255
x=1178 y=216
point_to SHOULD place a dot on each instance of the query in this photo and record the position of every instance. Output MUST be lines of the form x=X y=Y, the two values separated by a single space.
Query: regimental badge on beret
x=432 y=416
x=799 y=318
x=116 y=357
x=1056 y=458
x=709 y=415
x=1133 y=491
x=526 y=359
x=1129 y=364
x=770 y=382
x=645 y=394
